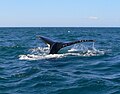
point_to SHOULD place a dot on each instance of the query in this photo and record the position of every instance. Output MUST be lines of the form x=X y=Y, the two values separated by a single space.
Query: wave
x=77 y=50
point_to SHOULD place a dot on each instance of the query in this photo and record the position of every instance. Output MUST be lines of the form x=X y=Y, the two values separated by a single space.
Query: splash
x=87 y=51
x=39 y=53
x=77 y=50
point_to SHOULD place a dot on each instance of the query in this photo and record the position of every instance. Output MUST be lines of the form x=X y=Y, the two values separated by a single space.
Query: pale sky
x=63 y=13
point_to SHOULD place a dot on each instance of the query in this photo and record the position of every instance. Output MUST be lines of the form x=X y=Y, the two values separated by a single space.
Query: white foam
x=68 y=31
x=39 y=57
x=77 y=50
x=39 y=50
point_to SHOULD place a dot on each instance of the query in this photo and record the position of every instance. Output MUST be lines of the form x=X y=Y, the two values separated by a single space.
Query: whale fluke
x=46 y=41
x=56 y=46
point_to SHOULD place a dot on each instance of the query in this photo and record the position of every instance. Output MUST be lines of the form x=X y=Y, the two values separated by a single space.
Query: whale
x=55 y=46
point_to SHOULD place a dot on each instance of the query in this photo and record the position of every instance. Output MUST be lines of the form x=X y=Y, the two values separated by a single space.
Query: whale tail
x=46 y=41
x=56 y=46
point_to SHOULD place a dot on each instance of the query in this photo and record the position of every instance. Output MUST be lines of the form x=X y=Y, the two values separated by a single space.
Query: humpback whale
x=56 y=46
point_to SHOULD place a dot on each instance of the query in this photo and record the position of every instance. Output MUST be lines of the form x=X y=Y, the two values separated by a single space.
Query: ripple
x=87 y=68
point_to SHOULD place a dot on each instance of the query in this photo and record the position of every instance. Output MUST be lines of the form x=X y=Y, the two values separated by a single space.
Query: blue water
x=86 y=68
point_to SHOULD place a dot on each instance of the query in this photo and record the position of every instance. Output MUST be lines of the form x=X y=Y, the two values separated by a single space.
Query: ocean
x=26 y=67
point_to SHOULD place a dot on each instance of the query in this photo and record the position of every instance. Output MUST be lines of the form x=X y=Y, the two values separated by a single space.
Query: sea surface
x=84 y=68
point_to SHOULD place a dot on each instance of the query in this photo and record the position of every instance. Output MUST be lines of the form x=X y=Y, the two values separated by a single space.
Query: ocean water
x=84 y=68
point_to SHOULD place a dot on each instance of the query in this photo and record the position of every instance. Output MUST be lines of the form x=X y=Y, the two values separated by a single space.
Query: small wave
x=77 y=50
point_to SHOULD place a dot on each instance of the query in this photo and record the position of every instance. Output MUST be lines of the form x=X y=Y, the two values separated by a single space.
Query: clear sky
x=43 y=13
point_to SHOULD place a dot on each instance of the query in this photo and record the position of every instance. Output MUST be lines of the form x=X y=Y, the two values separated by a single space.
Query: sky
x=59 y=13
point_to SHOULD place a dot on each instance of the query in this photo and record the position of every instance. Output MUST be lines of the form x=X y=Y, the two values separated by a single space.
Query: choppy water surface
x=85 y=68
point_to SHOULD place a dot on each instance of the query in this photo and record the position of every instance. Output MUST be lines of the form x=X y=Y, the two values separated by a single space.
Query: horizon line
x=59 y=26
